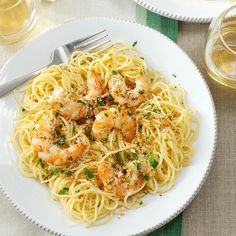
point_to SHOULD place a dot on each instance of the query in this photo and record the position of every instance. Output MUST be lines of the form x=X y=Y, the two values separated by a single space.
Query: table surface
x=213 y=211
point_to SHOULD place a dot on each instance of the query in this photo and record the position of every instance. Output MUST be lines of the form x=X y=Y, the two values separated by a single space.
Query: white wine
x=13 y=16
x=221 y=58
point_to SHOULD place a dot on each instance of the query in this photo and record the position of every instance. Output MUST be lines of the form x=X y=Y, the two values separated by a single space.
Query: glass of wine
x=17 y=18
x=220 y=48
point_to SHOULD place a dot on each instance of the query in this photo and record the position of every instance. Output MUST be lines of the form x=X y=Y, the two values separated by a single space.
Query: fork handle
x=12 y=84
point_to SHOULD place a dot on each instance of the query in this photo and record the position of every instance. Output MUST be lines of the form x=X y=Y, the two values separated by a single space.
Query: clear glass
x=17 y=19
x=220 y=48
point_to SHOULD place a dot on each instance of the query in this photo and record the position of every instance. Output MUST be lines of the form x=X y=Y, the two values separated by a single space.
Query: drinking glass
x=17 y=18
x=220 y=48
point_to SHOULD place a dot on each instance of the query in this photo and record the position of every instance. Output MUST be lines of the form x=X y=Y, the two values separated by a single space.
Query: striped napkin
x=168 y=27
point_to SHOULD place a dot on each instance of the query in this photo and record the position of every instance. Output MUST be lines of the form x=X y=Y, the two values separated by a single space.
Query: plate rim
x=179 y=17
x=183 y=207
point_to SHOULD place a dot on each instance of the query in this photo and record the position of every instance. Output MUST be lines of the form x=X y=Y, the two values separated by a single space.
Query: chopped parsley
x=145 y=153
x=140 y=126
x=134 y=155
x=152 y=79
x=134 y=44
x=63 y=191
x=148 y=114
x=174 y=75
x=88 y=115
x=119 y=109
x=153 y=162
x=60 y=142
x=138 y=144
x=118 y=158
x=141 y=203
x=100 y=101
x=56 y=114
x=79 y=122
x=139 y=165
x=142 y=58
x=114 y=72
x=77 y=191
x=60 y=126
x=90 y=137
x=129 y=113
x=146 y=177
x=127 y=156
x=157 y=111
x=89 y=173
x=68 y=173
x=141 y=92
x=55 y=172
x=82 y=102
x=40 y=161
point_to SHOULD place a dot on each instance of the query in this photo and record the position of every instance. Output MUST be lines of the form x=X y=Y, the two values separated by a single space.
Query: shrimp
x=122 y=181
x=114 y=119
x=67 y=107
x=94 y=87
x=54 y=152
x=123 y=95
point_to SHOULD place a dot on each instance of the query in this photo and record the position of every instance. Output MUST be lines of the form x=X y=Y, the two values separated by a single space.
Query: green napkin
x=168 y=27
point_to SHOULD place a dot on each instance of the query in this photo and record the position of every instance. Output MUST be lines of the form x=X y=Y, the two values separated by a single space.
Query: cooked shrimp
x=58 y=156
x=67 y=106
x=114 y=119
x=123 y=95
x=56 y=153
x=94 y=87
x=122 y=181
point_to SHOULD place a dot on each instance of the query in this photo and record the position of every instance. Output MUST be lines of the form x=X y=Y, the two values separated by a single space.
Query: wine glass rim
x=9 y=8
x=222 y=17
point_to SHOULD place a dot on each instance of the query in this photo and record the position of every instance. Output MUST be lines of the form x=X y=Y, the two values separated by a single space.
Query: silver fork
x=60 y=55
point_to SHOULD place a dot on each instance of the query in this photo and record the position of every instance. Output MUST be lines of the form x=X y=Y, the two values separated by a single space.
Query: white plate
x=34 y=201
x=187 y=10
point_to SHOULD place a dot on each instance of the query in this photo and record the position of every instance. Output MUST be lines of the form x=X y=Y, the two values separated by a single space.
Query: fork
x=60 y=55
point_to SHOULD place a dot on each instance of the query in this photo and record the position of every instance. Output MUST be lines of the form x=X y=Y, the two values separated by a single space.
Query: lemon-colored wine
x=13 y=16
x=222 y=54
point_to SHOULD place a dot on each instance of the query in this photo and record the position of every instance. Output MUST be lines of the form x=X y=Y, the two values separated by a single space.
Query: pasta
x=102 y=131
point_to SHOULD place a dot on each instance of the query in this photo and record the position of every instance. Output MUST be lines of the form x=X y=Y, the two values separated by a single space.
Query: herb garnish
x=129 y=112
x=68 y=173
x=140 y=126
x=133 y=45
x=153 y=162
x=63 y=191
x=56 y=114
x=134 y=155
x=146 y=177
x=55 y=172
x=89 y=173
x=118 y=159
x=114 y=72
x=157 y=111
x=82 y=102
x=88 y=115
x=100 y=101
x=139 y=165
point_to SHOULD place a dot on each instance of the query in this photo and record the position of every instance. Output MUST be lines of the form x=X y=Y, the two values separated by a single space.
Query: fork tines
x=90 y=42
